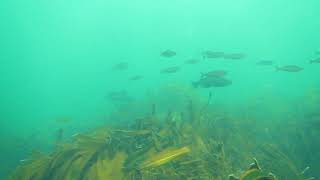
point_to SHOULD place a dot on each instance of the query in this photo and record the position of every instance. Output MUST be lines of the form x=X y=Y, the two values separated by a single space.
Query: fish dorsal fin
x=254 y=165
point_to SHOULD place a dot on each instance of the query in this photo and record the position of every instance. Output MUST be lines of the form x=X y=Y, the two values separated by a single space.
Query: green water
x=57 y=58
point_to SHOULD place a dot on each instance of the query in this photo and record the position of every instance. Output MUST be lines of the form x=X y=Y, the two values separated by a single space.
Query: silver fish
x=212 y=54
x=289 y=68
x=209 y=82
x=234 y=56
x=316 y=60
x=215 y=73
x=169 y=70
x=168 y=53
x=192 y=61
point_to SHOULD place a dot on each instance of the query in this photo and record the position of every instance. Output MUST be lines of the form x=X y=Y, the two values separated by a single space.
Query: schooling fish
x=169 y=70
x=215 y=73
x=289 y=68
x=168 y=53
x=192 y=61
x=212 y=54
x=234 y=56
x=212 y=81
x=317 y=60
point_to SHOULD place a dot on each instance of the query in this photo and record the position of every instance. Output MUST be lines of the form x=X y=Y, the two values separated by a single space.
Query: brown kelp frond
x=34 y=168
x=278 y=162
x=191 y=144
x=164 y=157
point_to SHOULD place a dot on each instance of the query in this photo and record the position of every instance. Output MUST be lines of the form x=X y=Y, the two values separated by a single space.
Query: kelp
x=192 y=144
x=164 y=157
x=34 y=168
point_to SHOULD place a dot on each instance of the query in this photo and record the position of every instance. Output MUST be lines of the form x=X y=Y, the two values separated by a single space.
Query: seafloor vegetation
x=200 y=141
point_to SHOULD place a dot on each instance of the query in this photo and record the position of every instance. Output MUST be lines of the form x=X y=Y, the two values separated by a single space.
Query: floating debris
x=120 y=66
x=168 y=53
x=265 y=63
x=212 y=54
x=212 y=81
x=170 y=70
x=289 y=68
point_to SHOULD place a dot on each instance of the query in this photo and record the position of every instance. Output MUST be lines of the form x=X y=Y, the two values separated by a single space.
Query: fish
x=192 y=61
x=136 y=77
x=289 y=68
x=234 y=56
x=168 y=53
x=169 y=70
x=265 y=63
x=316 y=60
x=212 y=54
x=120 y=66
x=212 y=81
x=215 y=73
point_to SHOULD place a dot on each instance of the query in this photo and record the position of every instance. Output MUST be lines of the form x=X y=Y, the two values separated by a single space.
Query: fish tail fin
x=311 y=61
x=202 y=74
x=277 y=68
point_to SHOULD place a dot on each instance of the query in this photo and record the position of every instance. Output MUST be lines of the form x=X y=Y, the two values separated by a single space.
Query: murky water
x=70 y=67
